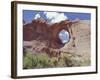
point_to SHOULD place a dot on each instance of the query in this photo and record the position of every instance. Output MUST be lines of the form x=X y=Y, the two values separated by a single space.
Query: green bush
x=36 y=61
x=32 y=61
x=27 y=61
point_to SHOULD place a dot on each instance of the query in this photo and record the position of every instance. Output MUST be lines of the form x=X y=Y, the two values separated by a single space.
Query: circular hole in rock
x=64 y=36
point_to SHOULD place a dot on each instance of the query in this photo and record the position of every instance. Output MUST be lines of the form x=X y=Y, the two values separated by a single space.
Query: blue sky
x=64 y=36
x=29 y=15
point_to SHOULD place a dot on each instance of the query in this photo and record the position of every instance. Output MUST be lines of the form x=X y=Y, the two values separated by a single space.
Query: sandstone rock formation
x=40 y=30
x=80 y=54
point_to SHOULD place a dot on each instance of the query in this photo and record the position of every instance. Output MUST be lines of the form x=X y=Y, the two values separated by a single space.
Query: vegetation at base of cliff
x=33 y=61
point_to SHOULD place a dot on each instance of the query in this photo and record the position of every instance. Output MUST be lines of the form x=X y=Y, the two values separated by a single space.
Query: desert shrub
x=27 y=61
x=36 y=61
x=42 y=60
x=74 y=60
x=67 y=59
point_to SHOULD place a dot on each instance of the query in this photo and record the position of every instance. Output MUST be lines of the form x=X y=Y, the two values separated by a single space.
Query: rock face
x=40 y=30
x=82 y=33
x=41 y=37
x=37 y=29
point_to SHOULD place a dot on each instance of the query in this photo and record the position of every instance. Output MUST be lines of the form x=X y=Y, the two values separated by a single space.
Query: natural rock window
x=64 y=36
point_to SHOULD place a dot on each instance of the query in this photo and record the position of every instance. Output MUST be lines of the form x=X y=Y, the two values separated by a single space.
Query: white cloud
x=64 y=41
x=65 y=32
x=37 y=16
x=55 y=17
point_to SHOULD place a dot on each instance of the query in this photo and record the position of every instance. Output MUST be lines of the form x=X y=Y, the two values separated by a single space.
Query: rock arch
x=40 y=30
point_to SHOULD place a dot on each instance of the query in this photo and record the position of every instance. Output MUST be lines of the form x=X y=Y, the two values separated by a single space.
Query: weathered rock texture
x=40 y=30
x=39 y=36
x=82 y=33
